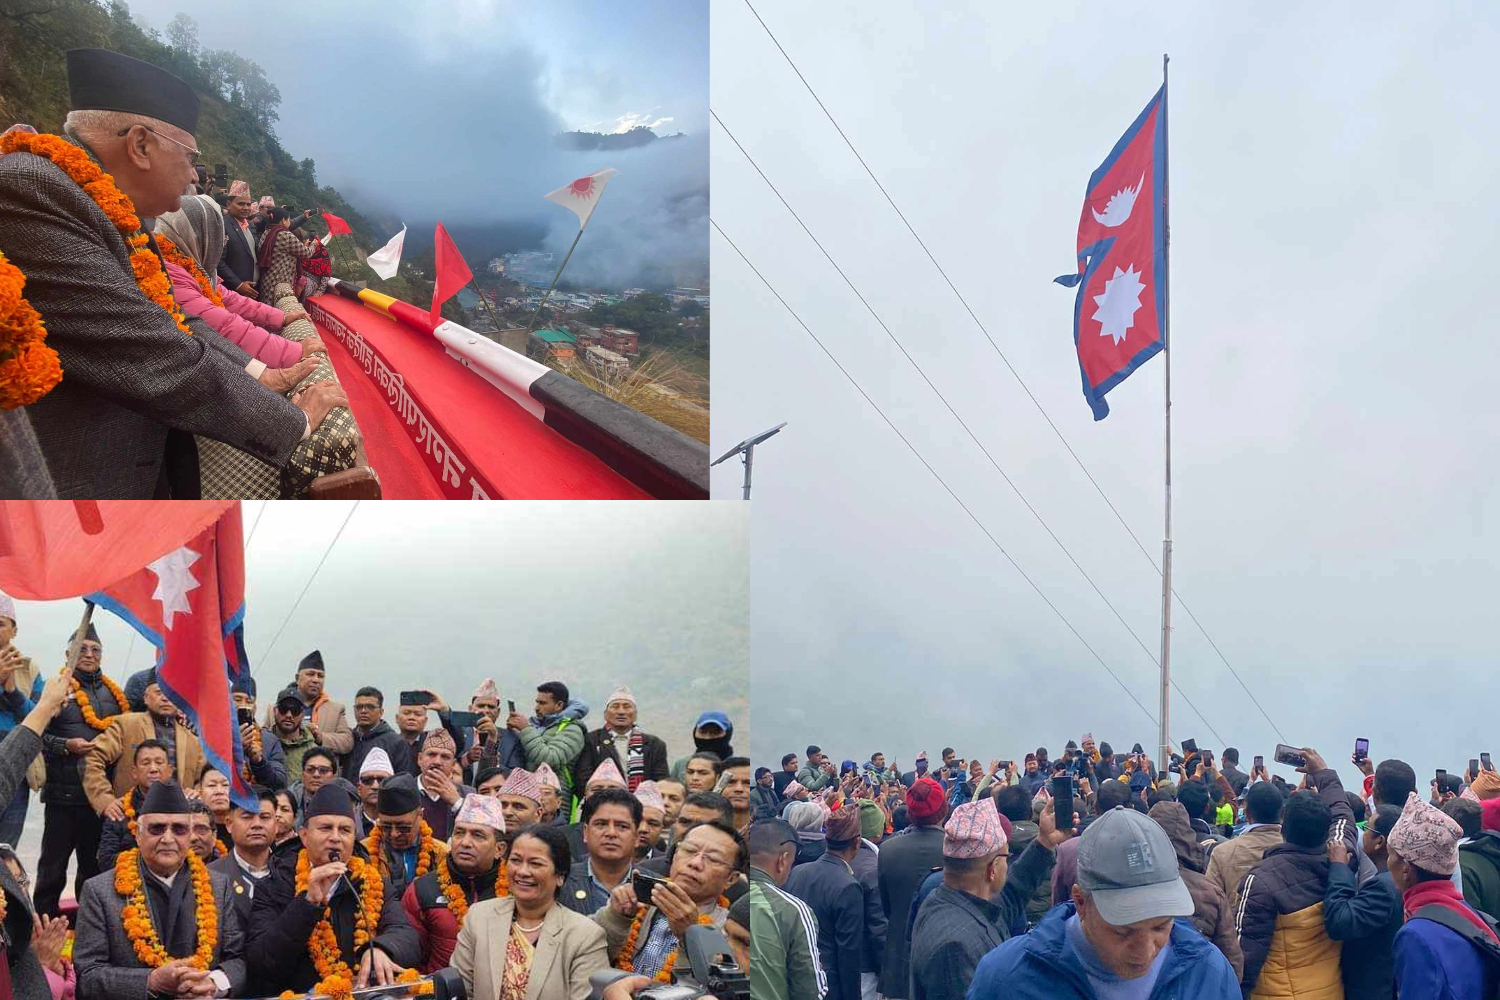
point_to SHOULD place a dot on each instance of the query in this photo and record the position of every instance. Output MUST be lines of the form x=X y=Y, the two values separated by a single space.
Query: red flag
x=52 y=549
x=452 y=272
x=335 y=224
x=190 y=605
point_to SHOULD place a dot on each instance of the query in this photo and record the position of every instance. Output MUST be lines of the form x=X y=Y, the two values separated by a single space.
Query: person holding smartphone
x=263 y=751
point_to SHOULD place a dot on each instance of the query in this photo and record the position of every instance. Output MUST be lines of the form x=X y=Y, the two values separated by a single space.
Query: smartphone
x=1441 y=774
x=464 y=720
x=1005 y=765
x=415 y=698
x=1189 y=746
x=1260 y=761
x=1484 y=760
x=1290 y=755
x=644 y=882
x=246 y=716
x=1361 y=748
x=1062 y=801
x=1473 y=765
x=512 y=706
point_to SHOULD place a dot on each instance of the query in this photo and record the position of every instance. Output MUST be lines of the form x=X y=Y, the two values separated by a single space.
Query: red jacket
x=427 y=910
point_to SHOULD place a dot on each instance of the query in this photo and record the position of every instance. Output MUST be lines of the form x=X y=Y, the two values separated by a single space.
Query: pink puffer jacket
x=240 y=320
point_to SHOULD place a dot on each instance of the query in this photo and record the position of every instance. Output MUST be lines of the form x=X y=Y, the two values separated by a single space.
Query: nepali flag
x=1122 y=265
x=190 y=605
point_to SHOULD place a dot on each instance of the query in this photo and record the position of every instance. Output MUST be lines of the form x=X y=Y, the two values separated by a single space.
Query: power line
x=961 y=422
x=259 y=514
x=941 y=481
x=1017 y=375
x=326 y=552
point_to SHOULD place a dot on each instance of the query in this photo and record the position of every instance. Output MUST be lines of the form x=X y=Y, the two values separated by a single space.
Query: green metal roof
x=556 y=336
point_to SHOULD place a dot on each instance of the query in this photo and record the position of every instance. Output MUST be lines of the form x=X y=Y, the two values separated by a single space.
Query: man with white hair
x=639 y=755
x=75 y=216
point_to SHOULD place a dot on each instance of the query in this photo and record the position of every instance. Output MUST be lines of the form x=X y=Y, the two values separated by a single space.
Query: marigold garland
x=28 y=367
x=100 y=186
x=87 y=707
x=323 y=943
x=129 y=810
x=136 y=916
x=626 y=960
x=428 y=851
x=173 y=255
x=458 y=902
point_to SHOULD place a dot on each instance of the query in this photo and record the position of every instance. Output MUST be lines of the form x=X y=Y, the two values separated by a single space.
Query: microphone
x=336 y=855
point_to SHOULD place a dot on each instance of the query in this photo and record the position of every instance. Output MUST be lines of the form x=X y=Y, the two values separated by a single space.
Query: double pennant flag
x=1122 y=268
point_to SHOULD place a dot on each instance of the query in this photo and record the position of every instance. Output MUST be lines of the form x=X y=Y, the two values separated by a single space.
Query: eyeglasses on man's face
x=192 y=153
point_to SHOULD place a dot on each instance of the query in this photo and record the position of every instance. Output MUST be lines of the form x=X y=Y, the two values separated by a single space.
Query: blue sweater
x=1041 y=965
x=1434 y=963
x=15 y=706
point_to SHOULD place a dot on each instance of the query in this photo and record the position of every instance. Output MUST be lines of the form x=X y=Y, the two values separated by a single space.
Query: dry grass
x=656 y=386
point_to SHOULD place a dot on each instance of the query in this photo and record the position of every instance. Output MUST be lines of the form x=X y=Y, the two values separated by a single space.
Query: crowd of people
x=1097 y=875
x=149 y=310
x=519 y=845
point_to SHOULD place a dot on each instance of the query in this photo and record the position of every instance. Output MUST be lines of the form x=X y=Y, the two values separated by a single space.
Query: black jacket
x=387 y=739
x=282 y=919
x=954 y=930
x=829 y=887
x=600 y=744
x=905 y=861
x=1366 y=919
x=65 y=770
x=1289 y=878
x=238 y=262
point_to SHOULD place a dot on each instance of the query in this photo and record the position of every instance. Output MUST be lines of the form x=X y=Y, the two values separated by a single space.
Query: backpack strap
x=1458 y=925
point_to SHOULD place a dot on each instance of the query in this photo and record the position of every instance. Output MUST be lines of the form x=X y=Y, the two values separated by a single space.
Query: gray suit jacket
x=104 y=959
x=129 y=373
x=569 y=950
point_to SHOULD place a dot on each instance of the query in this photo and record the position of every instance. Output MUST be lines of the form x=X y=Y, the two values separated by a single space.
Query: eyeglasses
x=319 y=772
x=193 y=154
x=160 y=829
x=371 y=779
x=691 y=852
x=90 y=649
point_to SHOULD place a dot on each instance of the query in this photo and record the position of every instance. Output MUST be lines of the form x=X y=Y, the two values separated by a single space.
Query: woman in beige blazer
x=526 y=946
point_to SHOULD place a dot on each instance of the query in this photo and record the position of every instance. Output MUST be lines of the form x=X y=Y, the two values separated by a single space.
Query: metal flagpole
x=554 y=281
x=1166 y=545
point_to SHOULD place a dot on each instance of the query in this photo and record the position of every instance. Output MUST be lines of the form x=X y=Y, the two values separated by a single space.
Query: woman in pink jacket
x=197 y=230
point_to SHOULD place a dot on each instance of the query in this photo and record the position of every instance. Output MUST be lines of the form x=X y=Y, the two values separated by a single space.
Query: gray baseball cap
x=1127 y=864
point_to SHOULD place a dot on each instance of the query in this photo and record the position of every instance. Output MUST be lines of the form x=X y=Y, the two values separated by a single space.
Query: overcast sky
x=1335 y=448
x=442 y=595
x=448 y=109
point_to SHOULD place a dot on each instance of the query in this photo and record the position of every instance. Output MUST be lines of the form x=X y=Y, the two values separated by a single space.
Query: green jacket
x=1479 y=861
x=813 y=779
x=557 y=746
x=783 y=944
x=295 y=749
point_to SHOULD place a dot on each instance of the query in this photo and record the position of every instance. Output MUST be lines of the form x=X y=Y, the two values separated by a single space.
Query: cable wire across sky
x=1011 y=368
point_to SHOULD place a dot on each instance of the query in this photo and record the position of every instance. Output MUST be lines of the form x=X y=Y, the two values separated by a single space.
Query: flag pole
x=554 y=280
x=484 y=302
x=77 y=640
x=1166 y=545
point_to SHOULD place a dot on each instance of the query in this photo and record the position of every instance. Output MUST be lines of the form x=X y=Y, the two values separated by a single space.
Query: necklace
x=28 y=367
x=457 y=901
x=172 y=255
x=627 y=950
x=428 y=851
x=86 y=707
x=323 y=943
x=136 y=915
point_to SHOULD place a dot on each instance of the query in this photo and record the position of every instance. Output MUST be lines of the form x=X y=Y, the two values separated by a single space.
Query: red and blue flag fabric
x=190 y=605
x=1119 y=317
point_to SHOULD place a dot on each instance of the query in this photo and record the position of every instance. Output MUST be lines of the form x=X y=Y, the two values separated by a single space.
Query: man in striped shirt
x=784 y=933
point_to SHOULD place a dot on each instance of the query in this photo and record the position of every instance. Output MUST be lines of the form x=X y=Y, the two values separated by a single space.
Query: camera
x=644 y=881
x=713 y=972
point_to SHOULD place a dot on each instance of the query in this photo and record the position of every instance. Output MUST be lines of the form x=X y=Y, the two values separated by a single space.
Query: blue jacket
x=1034 y=967
x=1434 y=963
